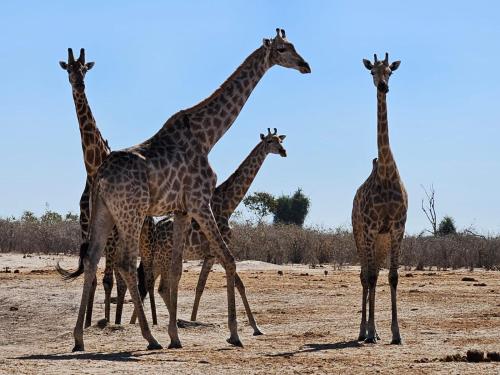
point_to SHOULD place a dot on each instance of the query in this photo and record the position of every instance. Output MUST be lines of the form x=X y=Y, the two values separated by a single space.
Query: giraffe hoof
x=361 y=337
x=154 y=346
x=397 y=341
x=175 y=345
x=371 y=340
x=257 y=332
x=78 y=348
x=235 y=342
x=377 y=336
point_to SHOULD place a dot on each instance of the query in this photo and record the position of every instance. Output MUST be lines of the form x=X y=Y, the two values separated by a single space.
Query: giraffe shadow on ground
x=125 y=356
x=311 y=348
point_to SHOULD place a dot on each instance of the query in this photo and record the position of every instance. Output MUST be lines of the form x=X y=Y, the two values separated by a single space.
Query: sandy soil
x=310 y=321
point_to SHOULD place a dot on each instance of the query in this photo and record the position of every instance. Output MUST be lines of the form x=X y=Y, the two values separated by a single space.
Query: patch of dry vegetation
x=279 y=244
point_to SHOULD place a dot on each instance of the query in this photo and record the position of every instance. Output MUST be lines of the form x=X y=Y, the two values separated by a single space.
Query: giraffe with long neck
x=379 y=213
x=95 y=149
x=170 y=172
x=227 y=196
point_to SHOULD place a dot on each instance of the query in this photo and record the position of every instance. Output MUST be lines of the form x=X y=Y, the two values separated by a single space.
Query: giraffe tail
x=67 y=275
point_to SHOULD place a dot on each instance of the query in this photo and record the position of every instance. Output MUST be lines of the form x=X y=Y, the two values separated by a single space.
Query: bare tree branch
x=429 y=208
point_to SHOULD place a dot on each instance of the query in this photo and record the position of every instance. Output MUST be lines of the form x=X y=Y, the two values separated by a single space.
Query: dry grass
x=280 y=244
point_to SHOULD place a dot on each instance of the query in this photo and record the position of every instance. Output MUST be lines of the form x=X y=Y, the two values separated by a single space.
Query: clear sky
x=156 y=57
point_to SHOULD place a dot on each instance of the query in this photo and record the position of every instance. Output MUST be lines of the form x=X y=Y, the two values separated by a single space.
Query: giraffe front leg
x=121 y=290
x=364 y=284
x=150 y=283
x=251 y=320
x=393 y=281
x=181 y=223
x=107 y=280
x=146 y=285
x=206 y=220
x=208 y=263
x=372 y=275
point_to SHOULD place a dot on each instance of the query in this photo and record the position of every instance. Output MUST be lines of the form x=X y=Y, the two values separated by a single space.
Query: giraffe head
x=381 y=71
x=76 y=69
x=273 y=142
x=282 y=52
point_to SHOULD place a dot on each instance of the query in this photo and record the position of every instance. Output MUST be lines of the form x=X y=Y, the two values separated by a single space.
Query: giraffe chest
x=385 y=201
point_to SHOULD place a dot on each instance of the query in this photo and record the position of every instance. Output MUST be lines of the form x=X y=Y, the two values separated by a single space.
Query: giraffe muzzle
x=283 y=153
x=304 y=67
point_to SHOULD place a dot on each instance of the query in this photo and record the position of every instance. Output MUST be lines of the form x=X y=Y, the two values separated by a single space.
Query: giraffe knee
x=107 y=281
x=372 y=279
x=393 y=278
x=230 y=265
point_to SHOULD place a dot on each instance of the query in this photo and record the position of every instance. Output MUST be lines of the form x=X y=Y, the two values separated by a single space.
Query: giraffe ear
x=282 y=136
x=89 y=65
x=394 y=65
x=266 y=42
x=262 y=136
x=368 y=64
x=63 y=65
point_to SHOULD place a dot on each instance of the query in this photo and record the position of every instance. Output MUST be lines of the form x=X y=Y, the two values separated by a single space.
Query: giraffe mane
x=224 y=85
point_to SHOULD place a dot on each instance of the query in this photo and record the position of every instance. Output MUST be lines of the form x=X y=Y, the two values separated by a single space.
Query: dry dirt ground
x=310 y=321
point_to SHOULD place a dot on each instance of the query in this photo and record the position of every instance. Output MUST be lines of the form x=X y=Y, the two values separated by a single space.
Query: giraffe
x=95 y=149
x=379 y=212
x=170 y=172
x=227 y=196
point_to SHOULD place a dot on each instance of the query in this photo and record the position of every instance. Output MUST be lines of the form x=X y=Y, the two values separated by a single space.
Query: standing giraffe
x=227 y=196
x=379 y=212
x=95 y=149
x=170 y=172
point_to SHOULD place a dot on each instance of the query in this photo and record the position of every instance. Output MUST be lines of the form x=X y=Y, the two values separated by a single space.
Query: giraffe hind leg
x=251 y=320
x=101 y=226
x=204 y=217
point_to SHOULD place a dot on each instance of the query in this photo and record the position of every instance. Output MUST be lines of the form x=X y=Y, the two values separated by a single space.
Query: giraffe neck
x=94 y=146
x=386 y=164
x=231 y=192
x=211 y=118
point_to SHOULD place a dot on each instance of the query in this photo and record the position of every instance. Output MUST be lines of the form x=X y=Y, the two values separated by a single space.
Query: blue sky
x=156 y=57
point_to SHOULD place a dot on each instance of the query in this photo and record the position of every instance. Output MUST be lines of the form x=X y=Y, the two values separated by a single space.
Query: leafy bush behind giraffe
x=277 y=243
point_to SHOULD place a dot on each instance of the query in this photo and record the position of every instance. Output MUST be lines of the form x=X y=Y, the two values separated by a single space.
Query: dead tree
x=428 y=206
